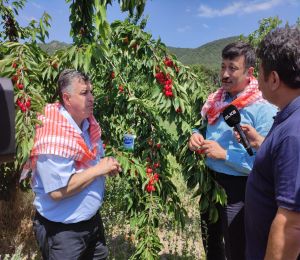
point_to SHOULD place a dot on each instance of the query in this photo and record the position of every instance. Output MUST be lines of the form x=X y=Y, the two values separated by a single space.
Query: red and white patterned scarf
x=215 y=103
x=56 y=136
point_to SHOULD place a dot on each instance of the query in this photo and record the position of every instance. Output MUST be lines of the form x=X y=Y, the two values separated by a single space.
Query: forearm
x=78 y=182
x=284 y=236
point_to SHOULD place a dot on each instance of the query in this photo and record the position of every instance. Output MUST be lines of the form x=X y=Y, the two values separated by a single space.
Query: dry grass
x=16 y=225
x=177 y=244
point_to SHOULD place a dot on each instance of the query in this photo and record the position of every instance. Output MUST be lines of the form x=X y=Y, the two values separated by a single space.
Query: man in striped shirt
x=69 y=170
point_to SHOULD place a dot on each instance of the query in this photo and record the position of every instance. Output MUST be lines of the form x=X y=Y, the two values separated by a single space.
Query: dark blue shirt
x=275 y=179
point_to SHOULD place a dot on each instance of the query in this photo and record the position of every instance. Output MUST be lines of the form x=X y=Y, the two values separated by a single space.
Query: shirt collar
x=288 y=110
x=66 y=114
x=229 y=97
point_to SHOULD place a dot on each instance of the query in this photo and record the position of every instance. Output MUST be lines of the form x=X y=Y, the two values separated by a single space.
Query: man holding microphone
x=228 y=161
x=272 y=209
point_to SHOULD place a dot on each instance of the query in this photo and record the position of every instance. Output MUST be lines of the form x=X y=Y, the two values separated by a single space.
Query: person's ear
x=66 y=98
x=250 y=72
x=274 y=80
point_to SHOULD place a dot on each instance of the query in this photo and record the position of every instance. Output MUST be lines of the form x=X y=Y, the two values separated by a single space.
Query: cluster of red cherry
x=23 y=103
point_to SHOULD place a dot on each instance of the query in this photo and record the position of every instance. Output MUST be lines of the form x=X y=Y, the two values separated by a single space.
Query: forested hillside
x=208 y=55
x=51 y=47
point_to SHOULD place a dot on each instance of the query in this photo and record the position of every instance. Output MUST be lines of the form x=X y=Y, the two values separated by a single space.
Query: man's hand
x=108 y=166
x=195 y=142
x=254 y=138
x=210 y=148
x=213 y=150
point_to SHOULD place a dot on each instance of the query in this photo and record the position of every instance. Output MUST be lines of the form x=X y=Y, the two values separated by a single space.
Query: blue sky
x=179 y=23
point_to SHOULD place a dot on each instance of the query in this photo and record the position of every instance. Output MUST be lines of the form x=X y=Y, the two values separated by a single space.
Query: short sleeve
x=287 y=173
x=54 y=171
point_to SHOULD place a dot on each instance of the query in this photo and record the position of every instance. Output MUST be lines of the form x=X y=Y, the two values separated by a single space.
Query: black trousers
x=225 y=239
x=82 y=240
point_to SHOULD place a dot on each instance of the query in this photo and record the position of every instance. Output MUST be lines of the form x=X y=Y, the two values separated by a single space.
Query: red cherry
x=168 y=88
x=20 y=86
x=149 y=170
x=156 y=176
x=28 y=103
x=178 y=110
x=156 y=165
x=158 y=146
x=19 y=102
x=160 y=77
x=169 y=93
x=22 y=107
x=112 y=75
x=121 y=88
x=14 y=65
x=168 y=62
x=150 y=188
x=199 y=151
x=151 y=181
x=169 y=82
x=14 y=78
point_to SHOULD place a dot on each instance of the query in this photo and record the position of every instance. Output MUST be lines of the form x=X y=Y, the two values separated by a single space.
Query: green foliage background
x=131 y=101
x=208 y=55
x=141 y=107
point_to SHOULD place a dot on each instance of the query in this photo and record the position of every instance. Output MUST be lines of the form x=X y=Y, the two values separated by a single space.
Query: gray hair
x=65 y=80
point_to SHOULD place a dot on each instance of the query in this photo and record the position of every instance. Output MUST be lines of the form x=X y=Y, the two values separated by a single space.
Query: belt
x=224 y=176
x=45 y=220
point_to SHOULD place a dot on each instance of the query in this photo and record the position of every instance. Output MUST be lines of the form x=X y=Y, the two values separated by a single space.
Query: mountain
x=208 y=55
x=53 y=46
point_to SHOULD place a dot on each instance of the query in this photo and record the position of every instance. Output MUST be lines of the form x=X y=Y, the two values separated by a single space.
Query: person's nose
x=91 y=97
x=225 y=73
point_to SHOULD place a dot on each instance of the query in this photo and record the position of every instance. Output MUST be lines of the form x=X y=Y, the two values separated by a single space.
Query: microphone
x=232 y=118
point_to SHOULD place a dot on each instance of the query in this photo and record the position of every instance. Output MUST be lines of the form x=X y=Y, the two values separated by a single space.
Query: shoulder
x=55 y=163
x=262 y=105
x=261 y=109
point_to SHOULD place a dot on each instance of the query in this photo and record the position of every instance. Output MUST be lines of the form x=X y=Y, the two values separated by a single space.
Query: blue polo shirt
x=275 y=179
x=54 y=172
x=238 y=162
